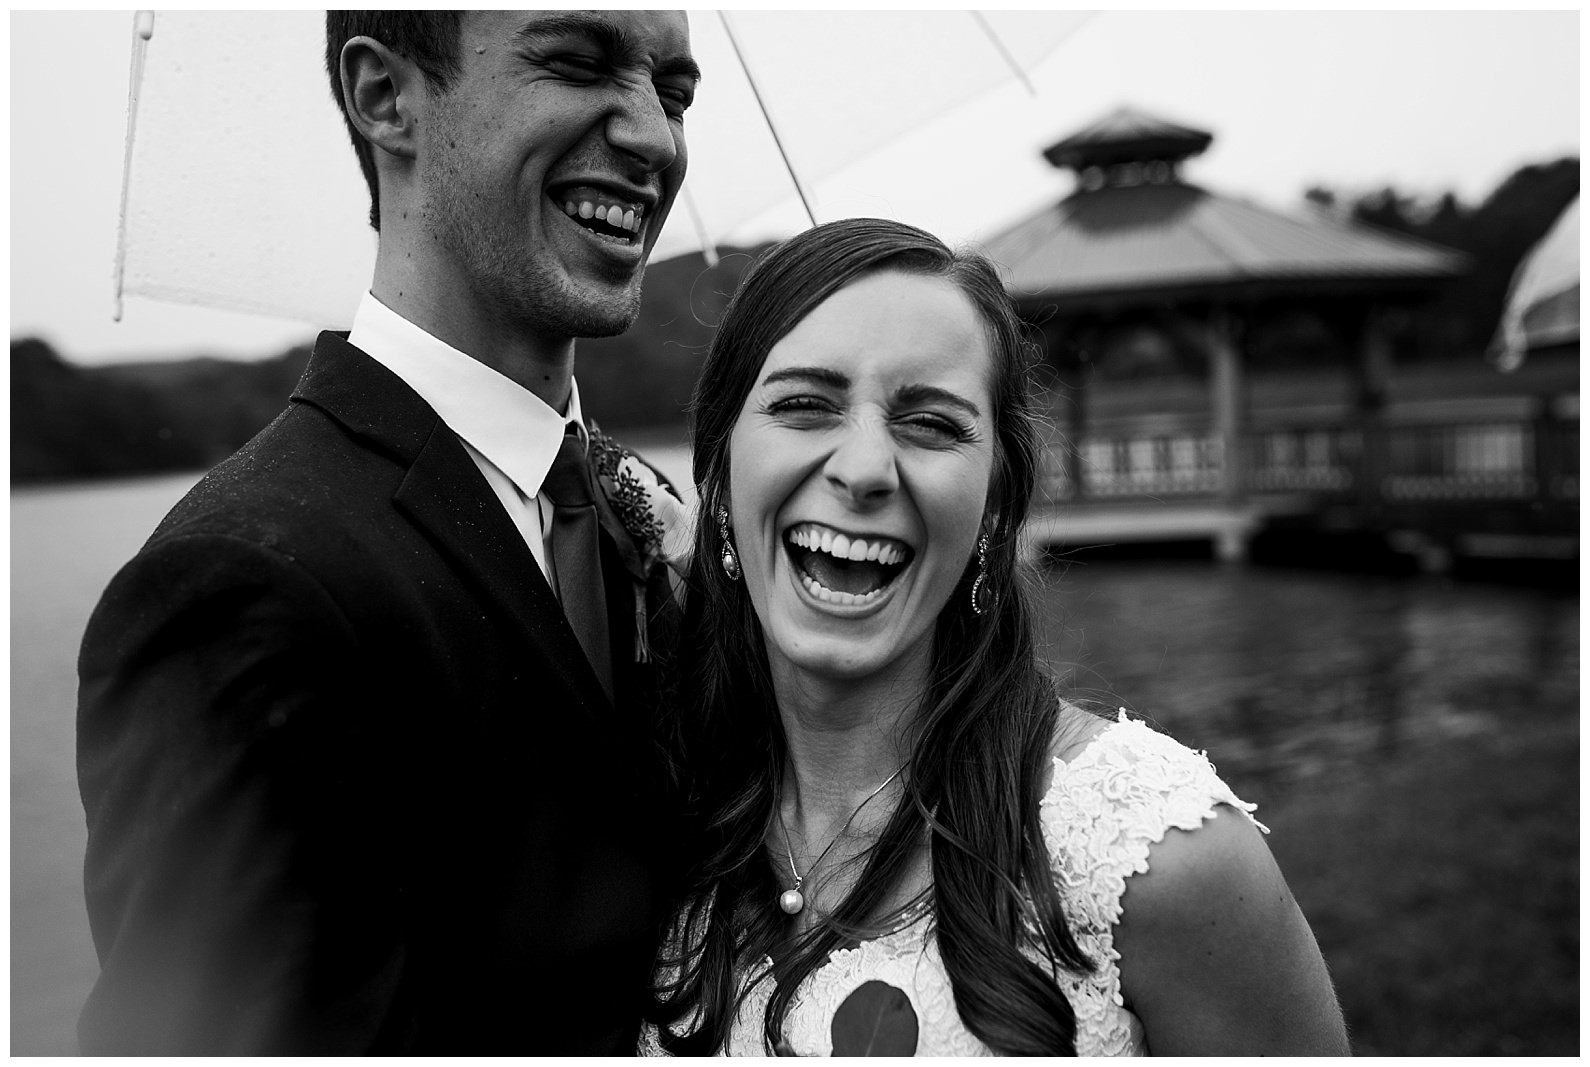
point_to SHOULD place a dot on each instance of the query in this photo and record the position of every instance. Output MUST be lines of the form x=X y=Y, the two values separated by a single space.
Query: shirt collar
x=501 y=419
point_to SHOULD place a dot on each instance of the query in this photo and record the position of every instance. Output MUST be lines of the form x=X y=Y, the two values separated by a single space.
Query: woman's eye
x=933 y=428
x=800 y=409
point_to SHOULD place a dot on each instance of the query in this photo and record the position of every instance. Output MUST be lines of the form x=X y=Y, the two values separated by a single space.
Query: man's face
x=548 y=167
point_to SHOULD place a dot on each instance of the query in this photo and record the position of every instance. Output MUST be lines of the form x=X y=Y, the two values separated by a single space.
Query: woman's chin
x=836 y=667
x=841 y=653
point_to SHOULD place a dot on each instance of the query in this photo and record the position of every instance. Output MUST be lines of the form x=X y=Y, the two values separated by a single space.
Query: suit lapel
x=445 y=496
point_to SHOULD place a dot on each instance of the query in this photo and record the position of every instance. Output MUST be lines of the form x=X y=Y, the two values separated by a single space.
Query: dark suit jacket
x=351 y=786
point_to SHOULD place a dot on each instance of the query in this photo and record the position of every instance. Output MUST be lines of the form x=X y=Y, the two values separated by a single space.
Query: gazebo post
x=1228 y=417
x=1059 y=337
x=1076 y=476
x=1374 y=371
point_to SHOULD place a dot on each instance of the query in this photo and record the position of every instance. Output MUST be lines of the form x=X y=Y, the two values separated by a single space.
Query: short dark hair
x=429 y=38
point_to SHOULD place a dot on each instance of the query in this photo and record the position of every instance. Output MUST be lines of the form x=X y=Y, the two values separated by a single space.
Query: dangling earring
x=731 y=562
x=982 y=597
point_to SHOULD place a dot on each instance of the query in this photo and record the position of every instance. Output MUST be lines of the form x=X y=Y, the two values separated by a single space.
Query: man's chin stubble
x=593 y=315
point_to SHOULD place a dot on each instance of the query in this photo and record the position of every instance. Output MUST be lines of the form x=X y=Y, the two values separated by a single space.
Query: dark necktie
x=576 y=554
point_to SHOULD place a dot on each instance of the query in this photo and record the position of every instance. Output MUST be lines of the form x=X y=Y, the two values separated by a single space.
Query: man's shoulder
x=299 y=471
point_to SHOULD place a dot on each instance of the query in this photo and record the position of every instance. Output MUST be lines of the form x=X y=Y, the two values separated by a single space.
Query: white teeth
x=834 y=596
x=620 y=218
x=843 y=546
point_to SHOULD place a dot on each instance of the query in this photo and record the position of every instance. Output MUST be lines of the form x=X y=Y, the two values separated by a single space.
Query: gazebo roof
x=1125 y=135
x=1136 y=234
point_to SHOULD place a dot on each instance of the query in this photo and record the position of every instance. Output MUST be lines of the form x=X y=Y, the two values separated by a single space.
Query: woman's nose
x=863 y=465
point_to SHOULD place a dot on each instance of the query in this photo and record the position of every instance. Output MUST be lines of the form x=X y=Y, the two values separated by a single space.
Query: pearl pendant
x=791 y=901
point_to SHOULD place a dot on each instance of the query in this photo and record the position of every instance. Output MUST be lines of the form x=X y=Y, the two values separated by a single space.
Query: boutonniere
x=647 y=519
x=661 y=525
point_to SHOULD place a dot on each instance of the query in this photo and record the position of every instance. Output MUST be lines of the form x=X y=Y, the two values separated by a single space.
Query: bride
x=913 y=844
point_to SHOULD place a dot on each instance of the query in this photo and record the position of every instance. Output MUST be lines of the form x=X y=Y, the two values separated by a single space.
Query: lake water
x=1279 y=674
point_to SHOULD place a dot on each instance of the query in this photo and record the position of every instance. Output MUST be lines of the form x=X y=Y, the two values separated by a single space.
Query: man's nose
x=863 y=466
x=639 y=127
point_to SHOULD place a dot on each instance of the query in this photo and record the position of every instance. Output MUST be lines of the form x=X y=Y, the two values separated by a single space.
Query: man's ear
x=380 y=90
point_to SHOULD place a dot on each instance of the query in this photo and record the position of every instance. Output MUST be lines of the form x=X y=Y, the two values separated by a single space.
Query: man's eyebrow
x=677 y=66
x=611 y=38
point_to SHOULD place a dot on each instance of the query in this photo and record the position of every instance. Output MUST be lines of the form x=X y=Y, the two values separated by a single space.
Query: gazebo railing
x=1506 y=450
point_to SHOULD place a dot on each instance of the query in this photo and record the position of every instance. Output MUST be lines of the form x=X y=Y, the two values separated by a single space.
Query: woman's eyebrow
x=918 y=394
x=814 y=375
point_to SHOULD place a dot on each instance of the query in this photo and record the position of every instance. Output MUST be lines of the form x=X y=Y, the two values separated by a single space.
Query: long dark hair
x=982 y=736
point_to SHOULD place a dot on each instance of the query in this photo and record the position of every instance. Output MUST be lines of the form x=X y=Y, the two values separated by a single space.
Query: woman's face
x=859 y=474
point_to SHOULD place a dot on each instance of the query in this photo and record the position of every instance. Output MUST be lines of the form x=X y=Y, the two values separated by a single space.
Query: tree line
x=1496 y=233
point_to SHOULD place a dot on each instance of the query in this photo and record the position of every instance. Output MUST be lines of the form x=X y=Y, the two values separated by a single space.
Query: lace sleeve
x=1118 y=798
x=1104 y=810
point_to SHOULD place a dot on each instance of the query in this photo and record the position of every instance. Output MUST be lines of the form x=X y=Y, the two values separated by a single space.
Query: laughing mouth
x=840 y=569
x=611 y=220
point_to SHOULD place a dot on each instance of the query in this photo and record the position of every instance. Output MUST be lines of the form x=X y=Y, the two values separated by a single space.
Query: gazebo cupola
x=1127 y=148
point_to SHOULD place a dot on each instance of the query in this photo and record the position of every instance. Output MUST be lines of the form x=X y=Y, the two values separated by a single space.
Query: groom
x=363 y=739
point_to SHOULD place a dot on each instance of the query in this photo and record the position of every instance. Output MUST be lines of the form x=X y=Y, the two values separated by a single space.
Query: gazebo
x=1151 y=295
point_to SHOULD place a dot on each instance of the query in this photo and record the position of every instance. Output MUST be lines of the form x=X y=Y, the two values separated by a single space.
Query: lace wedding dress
x=1103 y=810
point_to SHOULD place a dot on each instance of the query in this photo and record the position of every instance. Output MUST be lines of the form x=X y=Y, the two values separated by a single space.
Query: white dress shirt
x=510 y=433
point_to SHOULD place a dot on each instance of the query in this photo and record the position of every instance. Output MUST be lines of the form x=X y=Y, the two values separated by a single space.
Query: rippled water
x=1277 y=673
x=1283 y=672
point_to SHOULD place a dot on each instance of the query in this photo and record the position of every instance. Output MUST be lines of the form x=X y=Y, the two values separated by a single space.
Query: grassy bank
x=1443 y=886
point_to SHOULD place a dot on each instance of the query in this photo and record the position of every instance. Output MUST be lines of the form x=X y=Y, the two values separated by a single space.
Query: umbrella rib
x=143 y=29
x=1004 y=53
x=723 y=16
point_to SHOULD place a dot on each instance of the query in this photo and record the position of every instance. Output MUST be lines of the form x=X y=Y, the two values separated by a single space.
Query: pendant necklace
x=792 y=900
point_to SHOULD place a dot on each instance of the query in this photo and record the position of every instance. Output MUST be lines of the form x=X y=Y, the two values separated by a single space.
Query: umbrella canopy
x=243 y=192
x=1542 y=309
x=1135 y=232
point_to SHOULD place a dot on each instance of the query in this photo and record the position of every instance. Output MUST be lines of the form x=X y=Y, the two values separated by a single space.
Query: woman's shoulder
x=1118 y=787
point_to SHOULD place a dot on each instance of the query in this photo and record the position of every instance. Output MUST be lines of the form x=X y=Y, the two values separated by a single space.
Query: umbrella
x=268 y=215
x=1542 y=309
